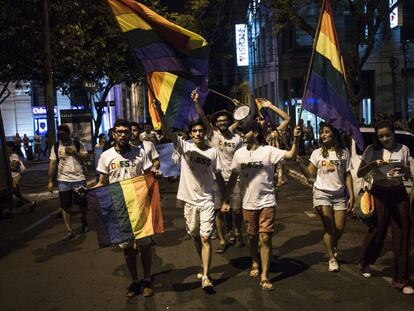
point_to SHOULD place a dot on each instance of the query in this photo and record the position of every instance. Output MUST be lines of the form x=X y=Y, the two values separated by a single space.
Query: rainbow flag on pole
x=174 y=93
x=125 y=210
x=325 y=92
x=159 y=44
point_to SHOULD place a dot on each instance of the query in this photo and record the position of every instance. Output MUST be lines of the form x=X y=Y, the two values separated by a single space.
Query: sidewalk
x=34 y=181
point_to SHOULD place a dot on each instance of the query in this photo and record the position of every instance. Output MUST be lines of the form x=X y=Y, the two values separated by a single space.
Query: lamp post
x=404 y=49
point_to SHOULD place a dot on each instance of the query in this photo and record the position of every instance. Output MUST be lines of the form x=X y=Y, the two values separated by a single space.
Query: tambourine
x=241 y=112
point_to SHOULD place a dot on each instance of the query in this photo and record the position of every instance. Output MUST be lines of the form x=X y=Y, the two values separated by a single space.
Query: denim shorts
x=335 y=199
x=68 y=196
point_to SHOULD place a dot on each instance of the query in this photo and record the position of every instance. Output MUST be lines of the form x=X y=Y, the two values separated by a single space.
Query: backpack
x=77 y=144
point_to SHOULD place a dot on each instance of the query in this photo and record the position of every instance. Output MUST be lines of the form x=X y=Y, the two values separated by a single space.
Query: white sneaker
x=333 y=265
x=199 y=276
x=205 y=282
x=408 y=290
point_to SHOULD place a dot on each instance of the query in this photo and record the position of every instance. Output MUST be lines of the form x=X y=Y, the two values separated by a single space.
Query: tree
x=368 y=18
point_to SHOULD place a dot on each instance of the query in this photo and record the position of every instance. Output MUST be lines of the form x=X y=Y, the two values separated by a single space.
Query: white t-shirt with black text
x=197 y=170
x=119 y=167
x=331 y=171
x=399 y=156
x=70 y=168
x=256 y=170
x=226 y=148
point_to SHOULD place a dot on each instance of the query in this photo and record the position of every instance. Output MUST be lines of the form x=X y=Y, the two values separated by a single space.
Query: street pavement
x=39 y=272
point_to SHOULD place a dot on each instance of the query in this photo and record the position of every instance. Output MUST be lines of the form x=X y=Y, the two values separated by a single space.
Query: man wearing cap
x=255 y=163
x=69 y=155
x=226 y=143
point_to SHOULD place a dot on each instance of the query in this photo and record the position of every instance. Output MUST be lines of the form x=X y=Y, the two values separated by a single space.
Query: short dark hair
x=101 y=135
x=380 y=124
x=122 y=122
x=195 y=123
x=133 y=123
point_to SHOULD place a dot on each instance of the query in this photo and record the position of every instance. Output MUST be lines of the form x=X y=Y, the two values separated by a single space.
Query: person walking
x=388 y=162
x=120 y=162
x=333 y=193
x=37 y=140
x=222 y=138
x=198 y=164
x=17 y=168
x=255 y=164
x=148 y=146
x=68 y=155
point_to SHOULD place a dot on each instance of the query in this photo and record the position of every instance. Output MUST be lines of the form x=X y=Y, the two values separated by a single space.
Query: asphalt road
x=39 y=272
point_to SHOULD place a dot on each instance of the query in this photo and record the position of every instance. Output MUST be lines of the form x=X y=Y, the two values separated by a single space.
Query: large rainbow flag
x=125 y=210
x=174 y=93
x=159 y=44
x=325 y=92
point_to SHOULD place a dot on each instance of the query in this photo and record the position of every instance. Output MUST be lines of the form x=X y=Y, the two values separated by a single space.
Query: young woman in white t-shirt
x=388 y=162
x=332 y=190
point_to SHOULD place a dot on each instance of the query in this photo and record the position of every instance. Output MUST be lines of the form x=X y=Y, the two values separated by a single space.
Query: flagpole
x=312 y=56
x=221 y=94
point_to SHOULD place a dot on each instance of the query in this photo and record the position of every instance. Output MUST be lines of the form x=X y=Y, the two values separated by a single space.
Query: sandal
x=266 y=285
x=254 y=271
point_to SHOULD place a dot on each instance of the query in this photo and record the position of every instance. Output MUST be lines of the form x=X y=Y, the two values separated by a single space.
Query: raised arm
x=292 y=153
x=196 y=99
x=165 y=128
x=286 y=118
x=309 y=171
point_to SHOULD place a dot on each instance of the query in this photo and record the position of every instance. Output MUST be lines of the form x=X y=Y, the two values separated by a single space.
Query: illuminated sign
x=40 y=110
x=242 y=45
x=394 y=19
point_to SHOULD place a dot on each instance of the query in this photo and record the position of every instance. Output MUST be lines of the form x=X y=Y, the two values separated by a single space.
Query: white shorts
x=235 y=198
x=199 y=219
x=336 y=199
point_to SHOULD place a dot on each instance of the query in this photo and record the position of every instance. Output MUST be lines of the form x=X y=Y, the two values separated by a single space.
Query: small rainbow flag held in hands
x=174 y=94
x=126 y=210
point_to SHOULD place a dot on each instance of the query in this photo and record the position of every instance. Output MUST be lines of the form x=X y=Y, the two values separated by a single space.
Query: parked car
x=368 y=133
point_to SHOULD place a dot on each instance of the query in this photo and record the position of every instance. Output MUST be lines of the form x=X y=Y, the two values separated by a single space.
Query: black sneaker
x=133 y=290
x=69 y=236
x=221 y=248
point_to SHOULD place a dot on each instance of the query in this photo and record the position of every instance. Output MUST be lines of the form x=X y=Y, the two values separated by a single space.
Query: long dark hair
x=339 y=143
x=385 y=123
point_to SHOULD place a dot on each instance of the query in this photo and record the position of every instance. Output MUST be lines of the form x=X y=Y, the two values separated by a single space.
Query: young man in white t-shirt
x=199 y=163
x=255 y=164
x=70 y=176
x=149 y=148
x=120 y=162
x=149 y=134
x=222 y=138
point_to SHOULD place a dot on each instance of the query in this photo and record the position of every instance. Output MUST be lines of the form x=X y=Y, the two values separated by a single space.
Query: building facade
x=279 y=63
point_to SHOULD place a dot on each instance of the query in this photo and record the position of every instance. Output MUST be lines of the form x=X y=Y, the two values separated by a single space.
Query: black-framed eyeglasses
x=120 y=133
